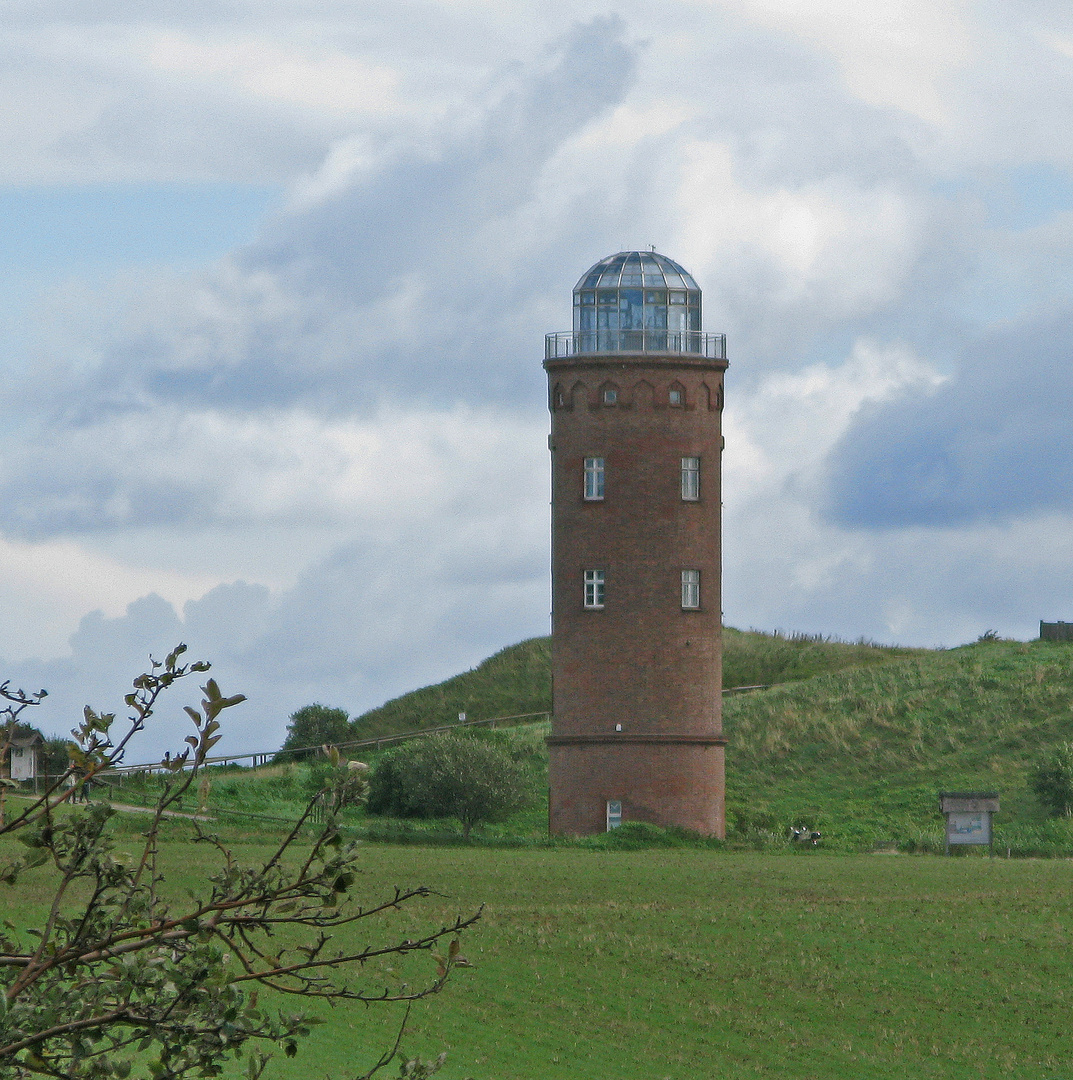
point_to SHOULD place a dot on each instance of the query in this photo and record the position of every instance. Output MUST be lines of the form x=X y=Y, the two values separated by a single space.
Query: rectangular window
x=690 y=589
x=614 y=814
x=594 y=478
x=691 y=478
x=594 y=588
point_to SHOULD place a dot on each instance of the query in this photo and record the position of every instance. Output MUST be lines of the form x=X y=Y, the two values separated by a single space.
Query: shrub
x=1053 y=781
x=314 y=726
x=449 y=775
x=639 y=835
x=347 y=783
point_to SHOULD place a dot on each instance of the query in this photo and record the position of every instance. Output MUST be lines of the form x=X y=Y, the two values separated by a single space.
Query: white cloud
x=787 y=567
x=47 y=587
x=318 y=78
x=781 y=433
x=836 y=247
x=893 y=53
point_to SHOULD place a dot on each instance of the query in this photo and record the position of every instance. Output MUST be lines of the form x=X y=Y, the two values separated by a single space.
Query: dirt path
x=152 y=810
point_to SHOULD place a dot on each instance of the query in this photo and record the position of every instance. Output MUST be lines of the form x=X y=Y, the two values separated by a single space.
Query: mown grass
x=649 y=954
x=693 y=964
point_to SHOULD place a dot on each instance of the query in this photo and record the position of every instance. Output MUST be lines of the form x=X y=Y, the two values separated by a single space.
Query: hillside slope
x=853 y=739
x=514 y=681
x=518 y=679
x=864 y=752
x=753 y=658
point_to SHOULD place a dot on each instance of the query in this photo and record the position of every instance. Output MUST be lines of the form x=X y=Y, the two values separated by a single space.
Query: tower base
x=666 y=780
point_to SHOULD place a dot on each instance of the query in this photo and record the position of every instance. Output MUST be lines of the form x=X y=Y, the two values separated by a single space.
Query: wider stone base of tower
x=667 y=780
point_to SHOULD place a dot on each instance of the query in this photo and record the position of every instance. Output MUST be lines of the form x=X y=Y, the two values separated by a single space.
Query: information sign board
x=968 y=816
x=968 y=828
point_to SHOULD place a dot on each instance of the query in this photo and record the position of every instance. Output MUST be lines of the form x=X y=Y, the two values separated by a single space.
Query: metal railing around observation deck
x=689 y=342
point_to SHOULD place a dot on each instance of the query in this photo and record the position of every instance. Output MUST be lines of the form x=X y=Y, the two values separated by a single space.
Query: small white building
x=24 y=756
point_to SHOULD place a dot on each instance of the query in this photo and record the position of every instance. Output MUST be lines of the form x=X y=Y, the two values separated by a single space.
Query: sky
x=275 y=280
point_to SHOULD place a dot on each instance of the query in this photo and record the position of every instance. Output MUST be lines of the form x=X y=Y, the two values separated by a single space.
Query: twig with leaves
x=116 y=975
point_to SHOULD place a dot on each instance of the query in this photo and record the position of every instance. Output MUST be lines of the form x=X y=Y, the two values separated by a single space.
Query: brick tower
x=636 y=395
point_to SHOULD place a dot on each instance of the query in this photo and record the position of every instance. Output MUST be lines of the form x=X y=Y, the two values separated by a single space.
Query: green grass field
x=653 y=955
x=693 y=964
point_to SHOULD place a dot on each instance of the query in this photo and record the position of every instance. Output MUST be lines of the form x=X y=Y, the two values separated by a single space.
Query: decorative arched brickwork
x=643 y=394
x=713 y=399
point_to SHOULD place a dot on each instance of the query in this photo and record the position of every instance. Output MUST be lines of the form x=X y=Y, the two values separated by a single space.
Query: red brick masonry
x=642 y=662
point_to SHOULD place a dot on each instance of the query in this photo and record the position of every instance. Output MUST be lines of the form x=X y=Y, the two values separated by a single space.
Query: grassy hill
x=517 y=679
x=853 y=739
x=752 y=658
x=514 y=681
x=863 y=752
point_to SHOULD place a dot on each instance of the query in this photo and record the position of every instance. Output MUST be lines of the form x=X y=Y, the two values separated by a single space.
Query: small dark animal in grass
x=804 y=836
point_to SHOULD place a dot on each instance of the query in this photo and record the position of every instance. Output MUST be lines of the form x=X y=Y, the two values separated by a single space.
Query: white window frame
x=610 y=395
x=595 y=589
x=690 y=590
x=593 y=486
x=674 y=397
x=690 y=479
x=614 y=814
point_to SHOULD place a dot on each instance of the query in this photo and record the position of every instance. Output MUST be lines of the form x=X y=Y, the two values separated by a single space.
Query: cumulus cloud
x=380 y=615
x=321 y=460
x=414 y=280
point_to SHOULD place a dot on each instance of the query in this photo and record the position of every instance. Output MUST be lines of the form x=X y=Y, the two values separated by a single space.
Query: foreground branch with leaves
x=117 y=978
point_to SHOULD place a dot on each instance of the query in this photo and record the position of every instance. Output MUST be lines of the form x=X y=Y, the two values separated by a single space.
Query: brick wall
x=642 y=662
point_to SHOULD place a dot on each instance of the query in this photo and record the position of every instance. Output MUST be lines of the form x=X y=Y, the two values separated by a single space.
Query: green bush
x=1053 y=780
x=314 y=726
x=449 y=775
x=637 y=835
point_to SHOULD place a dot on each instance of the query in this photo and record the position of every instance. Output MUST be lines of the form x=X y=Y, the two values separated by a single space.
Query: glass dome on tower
x=637 y=301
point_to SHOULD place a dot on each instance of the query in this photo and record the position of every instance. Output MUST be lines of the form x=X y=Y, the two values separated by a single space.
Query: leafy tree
x=449 y=775
x=54 y=760
x=1053 y=780
x=314 y=726
x=116 y=977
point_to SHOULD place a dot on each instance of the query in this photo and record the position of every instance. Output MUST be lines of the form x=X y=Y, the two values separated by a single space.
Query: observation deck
x=689 y=343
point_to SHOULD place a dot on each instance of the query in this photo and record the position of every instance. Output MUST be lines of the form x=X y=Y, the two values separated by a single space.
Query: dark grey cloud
x=993 y=443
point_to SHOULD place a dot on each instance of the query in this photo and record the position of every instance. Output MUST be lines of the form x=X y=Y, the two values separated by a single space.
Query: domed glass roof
x=637 y=269
x=637 y=301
